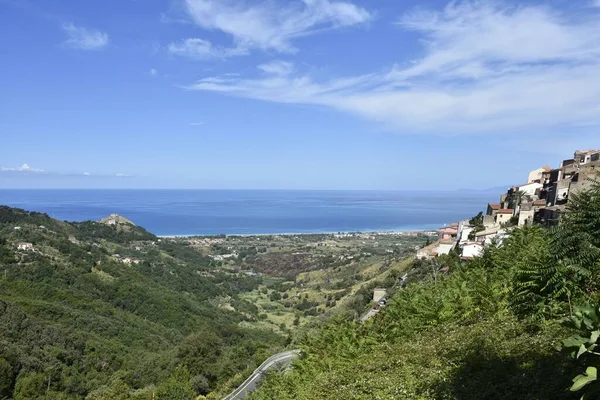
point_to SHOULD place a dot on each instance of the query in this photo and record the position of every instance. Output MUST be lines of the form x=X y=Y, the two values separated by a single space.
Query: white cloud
x=200 y=123
x=83 y=38
x=281 y=68
x=202 y=49
x=86 y=174
x=484 y=67
x=122 y=175
x=22 y=168
x=272 y=25
x=153 y=72
x=596 y=3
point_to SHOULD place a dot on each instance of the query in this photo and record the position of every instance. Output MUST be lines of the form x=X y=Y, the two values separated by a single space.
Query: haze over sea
x=211 y=212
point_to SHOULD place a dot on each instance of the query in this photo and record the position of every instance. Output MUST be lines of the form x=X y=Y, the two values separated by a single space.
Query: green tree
x=6 y=378
x=177 y=387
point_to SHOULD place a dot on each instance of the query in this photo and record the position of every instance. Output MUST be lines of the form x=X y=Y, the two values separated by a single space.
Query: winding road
x=277 y=361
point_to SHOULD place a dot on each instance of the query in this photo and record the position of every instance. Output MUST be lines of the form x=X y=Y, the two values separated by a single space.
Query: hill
x=105 y=309
x=522 y=321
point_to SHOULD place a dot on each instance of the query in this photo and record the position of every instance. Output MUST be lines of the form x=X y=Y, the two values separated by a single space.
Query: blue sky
x=307 y=94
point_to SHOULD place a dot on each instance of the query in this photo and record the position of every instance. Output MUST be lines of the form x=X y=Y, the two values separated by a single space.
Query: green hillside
x=106 y=311
x=491 y=328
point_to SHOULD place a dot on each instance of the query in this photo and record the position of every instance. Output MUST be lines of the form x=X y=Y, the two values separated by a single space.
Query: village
x=540 y=200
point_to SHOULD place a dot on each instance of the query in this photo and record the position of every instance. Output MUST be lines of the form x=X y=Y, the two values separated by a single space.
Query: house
x=583 y=181
x=445 y=247
x=472 y=250
x=535 y=176
x=492 y=209
x=504 y=215
x=447 y=232
x=561 y=193
x=530 y=189
x=549 y=216
x=493 y=235
x=379 y=294
x=464 y=234
x=25 y=246
x=583 y=157
x=427 y=252
x=130 y=261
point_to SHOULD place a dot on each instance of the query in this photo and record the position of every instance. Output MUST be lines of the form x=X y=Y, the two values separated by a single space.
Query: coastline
x=365 y=232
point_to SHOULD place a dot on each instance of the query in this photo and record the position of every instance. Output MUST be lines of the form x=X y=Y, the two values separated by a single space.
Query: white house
x=493 y=235
x=445 y=247
x=472 y=250
x=464 y=234
x=504 y=215
x=25 y=247
x=536 y=174
x=530 y=188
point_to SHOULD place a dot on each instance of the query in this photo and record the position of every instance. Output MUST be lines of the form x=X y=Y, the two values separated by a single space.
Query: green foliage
x=177 y=387
x=486 y=330
x=584 y=347
x=75 y=322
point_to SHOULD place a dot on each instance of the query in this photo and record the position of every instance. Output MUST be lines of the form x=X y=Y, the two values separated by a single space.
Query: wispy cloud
x=271 y=25
x=84 y=39
x=485 y=66
x=203 y=49
x=596 y=3
x=153 y=72
x=23 y=168
x=278 y=67
x=199 y=123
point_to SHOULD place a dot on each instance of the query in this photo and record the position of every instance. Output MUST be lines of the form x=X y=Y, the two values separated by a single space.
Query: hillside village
x=540 y=200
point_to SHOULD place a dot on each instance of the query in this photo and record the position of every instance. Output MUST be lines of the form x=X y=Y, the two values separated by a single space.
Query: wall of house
x=526 y=217
x=464 y=236
x=584 y=182
x=378 y=294
x=444 y=248
x=489 y=221
x=562 y=191
x=472 y=250
x=531 y=188
x=535 y=175
x=503 y=218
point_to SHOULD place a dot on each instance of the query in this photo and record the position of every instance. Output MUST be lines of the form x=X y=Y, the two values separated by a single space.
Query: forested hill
x=520 y=322
x=109 y=311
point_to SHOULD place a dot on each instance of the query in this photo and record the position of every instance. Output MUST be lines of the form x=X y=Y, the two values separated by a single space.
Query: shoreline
x=378 y=233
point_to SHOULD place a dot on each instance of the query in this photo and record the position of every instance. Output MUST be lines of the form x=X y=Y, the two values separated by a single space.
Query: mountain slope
x=85 y=305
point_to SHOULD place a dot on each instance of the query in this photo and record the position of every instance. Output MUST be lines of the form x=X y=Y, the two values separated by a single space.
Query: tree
x=177 y=387
x=6 y=378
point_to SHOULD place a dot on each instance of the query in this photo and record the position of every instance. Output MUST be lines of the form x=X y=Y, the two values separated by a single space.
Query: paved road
x=369 y=314
x=277 y=361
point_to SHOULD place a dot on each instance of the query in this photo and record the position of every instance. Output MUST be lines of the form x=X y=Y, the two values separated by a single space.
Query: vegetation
x=488 y=329
x=112 y=312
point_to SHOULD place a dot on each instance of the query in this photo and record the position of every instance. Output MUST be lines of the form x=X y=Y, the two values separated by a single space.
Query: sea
x=245 y=212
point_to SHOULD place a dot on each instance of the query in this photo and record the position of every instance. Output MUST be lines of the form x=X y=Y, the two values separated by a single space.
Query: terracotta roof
x=505 y=211
x=546 y=168
x=494 y=206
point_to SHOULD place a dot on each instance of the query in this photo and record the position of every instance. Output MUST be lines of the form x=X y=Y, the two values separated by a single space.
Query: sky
x=294 y=94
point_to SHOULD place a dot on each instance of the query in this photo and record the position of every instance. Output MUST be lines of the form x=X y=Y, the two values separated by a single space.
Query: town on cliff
x=540 y=200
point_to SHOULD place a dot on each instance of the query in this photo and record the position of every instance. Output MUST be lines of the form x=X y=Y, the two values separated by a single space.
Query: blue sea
x=212 y=212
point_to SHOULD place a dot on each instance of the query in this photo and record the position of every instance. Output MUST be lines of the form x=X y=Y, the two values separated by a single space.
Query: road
x=369 y=314
x=277 y=361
